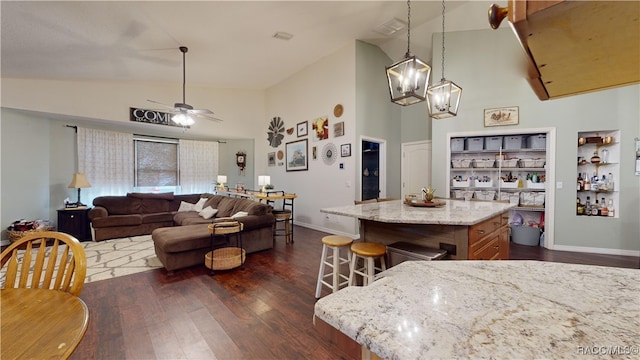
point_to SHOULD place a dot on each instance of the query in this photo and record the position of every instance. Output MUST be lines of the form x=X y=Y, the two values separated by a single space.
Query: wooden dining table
x=41 y=323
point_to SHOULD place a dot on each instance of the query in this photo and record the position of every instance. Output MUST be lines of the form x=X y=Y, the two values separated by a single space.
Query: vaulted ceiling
x=231 y=43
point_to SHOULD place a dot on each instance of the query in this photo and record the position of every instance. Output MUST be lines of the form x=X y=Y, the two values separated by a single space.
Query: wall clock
x=276 y=132
x=241 y=160
x=329 y=153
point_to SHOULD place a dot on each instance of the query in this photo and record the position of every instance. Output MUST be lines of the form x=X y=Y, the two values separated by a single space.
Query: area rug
x=118 y=257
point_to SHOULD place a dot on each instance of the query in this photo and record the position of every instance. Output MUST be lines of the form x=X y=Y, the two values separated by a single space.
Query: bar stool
x=285 y=217
x=368 y=252
x=334 y=261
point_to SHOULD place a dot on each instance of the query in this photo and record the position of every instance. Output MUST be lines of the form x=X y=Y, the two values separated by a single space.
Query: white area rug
x=118 y=257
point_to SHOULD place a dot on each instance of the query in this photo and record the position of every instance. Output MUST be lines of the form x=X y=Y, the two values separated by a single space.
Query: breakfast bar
x=465 y=229
x=489 y=309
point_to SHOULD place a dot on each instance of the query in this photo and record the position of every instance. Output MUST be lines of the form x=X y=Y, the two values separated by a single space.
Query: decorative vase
x=595 y=159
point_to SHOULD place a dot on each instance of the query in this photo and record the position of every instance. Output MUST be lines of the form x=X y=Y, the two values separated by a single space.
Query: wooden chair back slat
x=60 y=262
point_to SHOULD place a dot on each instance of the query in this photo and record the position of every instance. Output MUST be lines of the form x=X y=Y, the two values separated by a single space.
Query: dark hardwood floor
x=262 y=312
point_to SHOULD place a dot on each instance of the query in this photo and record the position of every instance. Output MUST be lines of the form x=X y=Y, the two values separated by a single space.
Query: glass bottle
x=587 y=206
x=579 y=207
x=612 y=211
x=610 y=185
x=604 y=211
x=580 y=182
x=587 y=183
x=595 y=208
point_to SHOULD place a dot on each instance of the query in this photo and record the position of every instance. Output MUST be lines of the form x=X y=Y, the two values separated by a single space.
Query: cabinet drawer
x=478 y=231
x=489 y=249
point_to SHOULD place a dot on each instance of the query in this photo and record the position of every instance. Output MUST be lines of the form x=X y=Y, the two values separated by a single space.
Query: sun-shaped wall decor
x=276 y=132
x=329 y=153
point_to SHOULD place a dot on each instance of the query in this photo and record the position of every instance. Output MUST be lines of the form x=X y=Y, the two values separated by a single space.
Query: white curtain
x=106 y=159
x=198 y=166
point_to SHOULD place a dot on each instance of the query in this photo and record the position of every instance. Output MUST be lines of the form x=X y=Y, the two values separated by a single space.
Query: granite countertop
x=491 y=309
x=454 y=212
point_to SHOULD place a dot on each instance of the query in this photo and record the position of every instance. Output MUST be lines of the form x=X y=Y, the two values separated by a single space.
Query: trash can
x=401 y=251
x=525 y=235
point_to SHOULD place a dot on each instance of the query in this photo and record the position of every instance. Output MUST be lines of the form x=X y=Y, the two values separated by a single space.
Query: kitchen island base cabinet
x=487 y=240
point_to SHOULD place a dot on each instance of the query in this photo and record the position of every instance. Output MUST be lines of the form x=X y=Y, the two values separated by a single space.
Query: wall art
x=297 y=158
x=276 y=132
x=314 y=153
x=501 y=116
x=329 y=153
x=321 y=128
x=345 y=150
x=338 y=129
x=302 y=129
x=271 y=158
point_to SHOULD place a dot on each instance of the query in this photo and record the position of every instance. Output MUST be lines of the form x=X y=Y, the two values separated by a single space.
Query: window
x=156 y=164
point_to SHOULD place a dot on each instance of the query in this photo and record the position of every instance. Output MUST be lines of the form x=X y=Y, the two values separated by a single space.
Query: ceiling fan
x=184 y=113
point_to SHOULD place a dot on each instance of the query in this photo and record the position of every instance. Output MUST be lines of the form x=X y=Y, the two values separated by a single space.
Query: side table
x=228 y=257
x=75 y=222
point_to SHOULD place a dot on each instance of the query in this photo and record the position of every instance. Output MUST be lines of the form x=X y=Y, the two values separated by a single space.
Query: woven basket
x=17 y=235
x=225 y=258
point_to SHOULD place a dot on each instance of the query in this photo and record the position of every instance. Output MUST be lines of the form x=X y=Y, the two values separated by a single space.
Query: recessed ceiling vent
x=390 y=27
x=282 y=35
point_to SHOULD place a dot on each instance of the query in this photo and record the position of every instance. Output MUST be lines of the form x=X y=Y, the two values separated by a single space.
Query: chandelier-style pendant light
x=408 y=78
x=443 y=98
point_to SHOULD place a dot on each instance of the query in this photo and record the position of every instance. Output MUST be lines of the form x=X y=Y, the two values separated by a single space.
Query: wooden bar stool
x=283 y=216
x=369 y=252
x=334 y=261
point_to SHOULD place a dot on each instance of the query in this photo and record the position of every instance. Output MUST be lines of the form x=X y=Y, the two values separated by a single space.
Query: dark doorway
x=370 y=170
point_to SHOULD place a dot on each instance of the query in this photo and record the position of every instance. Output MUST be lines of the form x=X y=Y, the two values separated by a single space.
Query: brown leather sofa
x=181 y=239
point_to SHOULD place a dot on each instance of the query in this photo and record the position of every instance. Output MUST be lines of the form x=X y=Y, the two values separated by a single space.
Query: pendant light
x=443 y=98
x=408 y=78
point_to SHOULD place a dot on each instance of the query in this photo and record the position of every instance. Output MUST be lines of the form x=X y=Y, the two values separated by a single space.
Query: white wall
x=306 y=96
x=486 y=64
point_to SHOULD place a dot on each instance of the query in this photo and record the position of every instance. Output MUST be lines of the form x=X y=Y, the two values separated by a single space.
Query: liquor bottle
x=595 y=208
x=594 y=182
x=612 y=211
x=579 y=207
x=603 y=185
x=587 y=206
x=604 y=211
x=610 y=185
x=587 y=183
x=580 y=182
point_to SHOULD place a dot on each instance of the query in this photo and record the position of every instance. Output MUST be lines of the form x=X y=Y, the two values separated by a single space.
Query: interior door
x=416 y=167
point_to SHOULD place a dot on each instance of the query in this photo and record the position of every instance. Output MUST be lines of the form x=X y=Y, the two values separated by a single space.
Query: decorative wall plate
x=329 y=153
x=338 y=110
x=276 y=132
x=280 y=154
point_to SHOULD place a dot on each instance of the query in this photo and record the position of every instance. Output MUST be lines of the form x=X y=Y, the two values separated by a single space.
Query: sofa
x=179 y=231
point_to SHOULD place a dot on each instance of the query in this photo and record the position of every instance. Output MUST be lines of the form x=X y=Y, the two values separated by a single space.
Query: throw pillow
x=239 y=214
x=208 y=212
x=200 y=204
x=185 y=206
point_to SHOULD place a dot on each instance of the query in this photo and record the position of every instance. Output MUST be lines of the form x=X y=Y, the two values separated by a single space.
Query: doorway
x=372 y=169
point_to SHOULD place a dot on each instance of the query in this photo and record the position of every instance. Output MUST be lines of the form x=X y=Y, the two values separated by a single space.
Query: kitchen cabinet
x=575 y=47
x=489 y=240
x=605 y=144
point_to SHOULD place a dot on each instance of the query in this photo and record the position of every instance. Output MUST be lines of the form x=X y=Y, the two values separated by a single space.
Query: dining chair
x=45 y=260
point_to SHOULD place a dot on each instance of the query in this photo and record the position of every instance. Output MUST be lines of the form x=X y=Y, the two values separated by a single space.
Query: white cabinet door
x=416 y=167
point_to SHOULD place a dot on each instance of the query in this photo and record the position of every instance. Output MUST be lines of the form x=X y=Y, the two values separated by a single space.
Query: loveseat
x=180 y=229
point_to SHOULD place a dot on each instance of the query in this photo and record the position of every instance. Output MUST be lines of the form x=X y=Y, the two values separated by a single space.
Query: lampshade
x=222 y=179
x=264 y=180
x=443 y=99
x=79 y=181
x=408 y=77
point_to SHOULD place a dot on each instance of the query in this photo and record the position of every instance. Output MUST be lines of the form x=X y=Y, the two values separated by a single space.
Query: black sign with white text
x=151 y=117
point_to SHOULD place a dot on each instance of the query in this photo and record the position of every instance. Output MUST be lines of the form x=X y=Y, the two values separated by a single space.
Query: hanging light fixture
x=408 y=77
x=443 y=98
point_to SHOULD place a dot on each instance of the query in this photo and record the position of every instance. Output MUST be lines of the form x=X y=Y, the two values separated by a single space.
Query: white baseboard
x=596 y=250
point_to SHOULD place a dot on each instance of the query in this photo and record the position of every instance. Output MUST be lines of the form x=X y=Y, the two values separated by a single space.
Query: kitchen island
x=465 y=229
x=490 y=309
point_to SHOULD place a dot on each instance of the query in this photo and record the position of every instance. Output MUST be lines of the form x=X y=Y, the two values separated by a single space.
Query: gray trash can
x=401 y=251
x=525 y=235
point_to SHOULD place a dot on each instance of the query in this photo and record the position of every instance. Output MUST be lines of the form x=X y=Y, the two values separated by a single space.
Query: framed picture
x=320 y=128
x=338 y=129
x=302 y=129
x=271 y=158
x=345 y=150
x=297 y=158
x=501 y=116
x=314 y=153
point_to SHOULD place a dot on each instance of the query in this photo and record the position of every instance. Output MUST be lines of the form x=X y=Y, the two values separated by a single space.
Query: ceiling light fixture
x=444 y=97
x=408 y=77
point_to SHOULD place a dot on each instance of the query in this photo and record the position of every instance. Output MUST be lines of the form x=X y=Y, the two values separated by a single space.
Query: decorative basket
x=17 y=235
x=225 y=258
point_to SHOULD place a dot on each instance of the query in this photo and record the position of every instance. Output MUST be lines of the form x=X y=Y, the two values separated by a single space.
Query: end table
x=75 y=222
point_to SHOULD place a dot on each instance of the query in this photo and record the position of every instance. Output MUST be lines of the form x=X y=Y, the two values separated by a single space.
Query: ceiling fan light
x=443 y=99
x=183 y=119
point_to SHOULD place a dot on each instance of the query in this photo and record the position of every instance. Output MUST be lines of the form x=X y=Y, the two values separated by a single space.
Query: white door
x=415 y=167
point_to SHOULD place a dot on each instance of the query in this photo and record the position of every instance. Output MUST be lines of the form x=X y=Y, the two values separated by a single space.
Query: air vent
x=390 y=27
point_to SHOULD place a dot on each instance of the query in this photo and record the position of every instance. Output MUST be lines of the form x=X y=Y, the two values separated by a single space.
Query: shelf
x=495 y=188
x=503 y=169
x=599 y=164
x=528 y=208
x=504 y=151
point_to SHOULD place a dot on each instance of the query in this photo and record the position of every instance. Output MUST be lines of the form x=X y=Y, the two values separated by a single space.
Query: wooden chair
x=60 y=262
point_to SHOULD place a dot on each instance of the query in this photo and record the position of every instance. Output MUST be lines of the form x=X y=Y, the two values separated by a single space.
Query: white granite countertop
x=492 y=309
x=454 y=212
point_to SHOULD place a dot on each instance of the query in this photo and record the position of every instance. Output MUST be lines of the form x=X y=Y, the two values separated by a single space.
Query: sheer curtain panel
x=198 y=166
x=106 y=159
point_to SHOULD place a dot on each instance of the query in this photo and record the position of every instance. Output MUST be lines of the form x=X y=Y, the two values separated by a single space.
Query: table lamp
x=264 y=180
x=79 y=181
x=222 y=179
